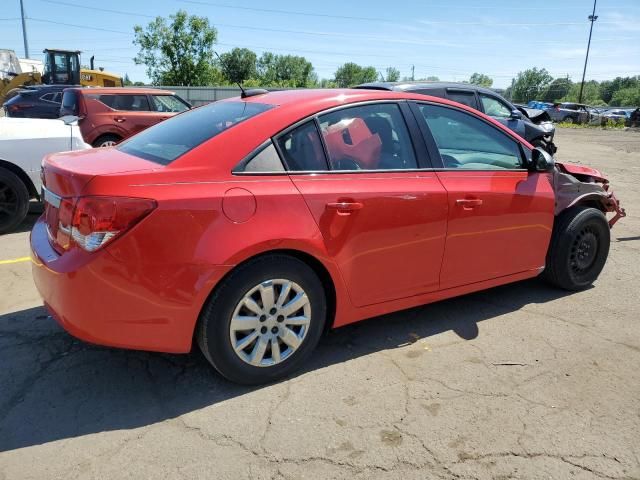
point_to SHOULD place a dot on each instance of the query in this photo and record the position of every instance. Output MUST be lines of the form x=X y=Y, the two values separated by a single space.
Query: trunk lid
x=67 y=174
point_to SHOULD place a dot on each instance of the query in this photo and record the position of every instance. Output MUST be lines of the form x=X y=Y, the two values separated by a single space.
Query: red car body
x=119 y=120
x=380 y=240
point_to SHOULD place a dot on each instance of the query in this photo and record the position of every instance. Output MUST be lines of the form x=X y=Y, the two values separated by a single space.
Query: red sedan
x=252 y=225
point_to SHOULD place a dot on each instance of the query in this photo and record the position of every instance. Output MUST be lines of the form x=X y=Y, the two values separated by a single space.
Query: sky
x=443 y=38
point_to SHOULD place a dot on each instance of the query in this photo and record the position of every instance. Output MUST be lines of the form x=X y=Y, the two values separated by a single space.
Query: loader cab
x=61 y=67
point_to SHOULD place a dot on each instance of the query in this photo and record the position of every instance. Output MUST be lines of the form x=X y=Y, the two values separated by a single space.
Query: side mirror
x=541 y=161
x=515 y=114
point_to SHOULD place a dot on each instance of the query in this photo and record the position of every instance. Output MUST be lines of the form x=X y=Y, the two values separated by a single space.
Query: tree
x=392 y=74
x=178 y=52
x=530 y=84
x=626 y=97
x=285 y=71
x=609 y=88
x=126 y=81
x=481 y=79
x=557 y=89
x=351 y=74
x=590 y=93
x=238 y=65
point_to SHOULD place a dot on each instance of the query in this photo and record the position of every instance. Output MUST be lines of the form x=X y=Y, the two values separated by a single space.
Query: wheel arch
x=22 y=175
x=312 y=261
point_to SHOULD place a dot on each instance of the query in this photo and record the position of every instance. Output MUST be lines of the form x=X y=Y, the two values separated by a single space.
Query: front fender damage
x=574 y=184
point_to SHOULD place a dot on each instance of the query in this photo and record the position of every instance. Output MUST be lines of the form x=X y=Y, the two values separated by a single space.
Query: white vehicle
x=23 y=144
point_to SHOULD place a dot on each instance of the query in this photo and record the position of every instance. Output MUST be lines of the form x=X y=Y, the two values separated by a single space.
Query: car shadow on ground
x=56 y=387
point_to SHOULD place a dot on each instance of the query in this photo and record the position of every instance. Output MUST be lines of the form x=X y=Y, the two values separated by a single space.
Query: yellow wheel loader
x=61 y=67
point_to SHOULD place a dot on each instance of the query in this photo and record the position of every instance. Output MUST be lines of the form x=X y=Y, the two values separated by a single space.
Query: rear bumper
x=101 y=300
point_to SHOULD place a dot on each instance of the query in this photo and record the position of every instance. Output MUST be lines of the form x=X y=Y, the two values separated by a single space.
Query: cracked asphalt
x=521 y=381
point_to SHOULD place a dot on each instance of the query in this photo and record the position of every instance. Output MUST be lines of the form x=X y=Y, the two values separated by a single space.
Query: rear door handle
x=345 y=207
x=468 y=203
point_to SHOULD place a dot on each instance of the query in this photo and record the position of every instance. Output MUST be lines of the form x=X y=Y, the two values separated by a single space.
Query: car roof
x=294 y=105
x=121 y=90
x=408 y=86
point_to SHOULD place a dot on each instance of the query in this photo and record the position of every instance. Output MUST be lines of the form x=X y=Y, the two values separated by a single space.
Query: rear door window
x=128 y=103
x=464 y=97
x=168 y=140
x=369 y=137
x=302 y=148
x=168 y=103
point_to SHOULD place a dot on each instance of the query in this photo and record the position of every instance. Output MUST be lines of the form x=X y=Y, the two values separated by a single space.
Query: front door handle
x=468 y=203
x=345 y=207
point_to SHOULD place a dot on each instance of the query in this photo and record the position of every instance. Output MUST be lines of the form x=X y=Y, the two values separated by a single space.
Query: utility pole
x=413 y=70
x=592 y=18
x=24 y=30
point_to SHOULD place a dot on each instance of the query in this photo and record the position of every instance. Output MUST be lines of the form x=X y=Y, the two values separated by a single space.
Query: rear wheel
x=14 y=200
x=264 y=320
x=106 y=141
x=579 y=248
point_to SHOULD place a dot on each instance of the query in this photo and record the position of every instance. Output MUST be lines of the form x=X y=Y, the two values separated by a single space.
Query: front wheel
x=579 y=248
x=567 y=119
x=264 y=320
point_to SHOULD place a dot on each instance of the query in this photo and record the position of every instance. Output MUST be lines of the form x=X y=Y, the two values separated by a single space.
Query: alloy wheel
x=270 y=322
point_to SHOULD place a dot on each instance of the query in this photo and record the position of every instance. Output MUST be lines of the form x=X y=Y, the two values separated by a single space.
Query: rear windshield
x=166 y=141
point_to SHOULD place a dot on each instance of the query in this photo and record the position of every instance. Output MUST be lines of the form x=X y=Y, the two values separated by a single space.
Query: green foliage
x=351 y=74
x=530 y=84
x=392 y=74
x=238 y=65
x=178 y=52
x=608 y=88
x=285 y=71
x=629 y=96
x=557 y=89
x=590 y=94
x=481 y=79
x=126 y=81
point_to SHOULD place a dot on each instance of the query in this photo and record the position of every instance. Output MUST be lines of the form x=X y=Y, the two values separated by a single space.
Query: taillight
x=92 y=222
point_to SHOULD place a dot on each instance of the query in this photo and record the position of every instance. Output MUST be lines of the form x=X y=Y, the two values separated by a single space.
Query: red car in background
x=109 y=115
x=252 y=224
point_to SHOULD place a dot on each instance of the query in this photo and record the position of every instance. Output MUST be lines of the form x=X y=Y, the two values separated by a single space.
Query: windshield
x=172 y=138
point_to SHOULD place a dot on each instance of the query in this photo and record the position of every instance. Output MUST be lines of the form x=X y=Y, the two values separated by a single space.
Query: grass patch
x=609 y=125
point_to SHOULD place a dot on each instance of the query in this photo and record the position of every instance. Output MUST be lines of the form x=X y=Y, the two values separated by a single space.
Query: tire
x=579 y=248
x=108 y=140
x=216 y=334
x=14 y=200
x=567 y=119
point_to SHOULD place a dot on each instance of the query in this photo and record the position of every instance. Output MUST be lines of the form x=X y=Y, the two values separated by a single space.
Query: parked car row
x=568 y=112
x=106 y=115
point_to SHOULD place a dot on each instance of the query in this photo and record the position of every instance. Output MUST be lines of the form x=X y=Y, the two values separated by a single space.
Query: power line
x=99 y=9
